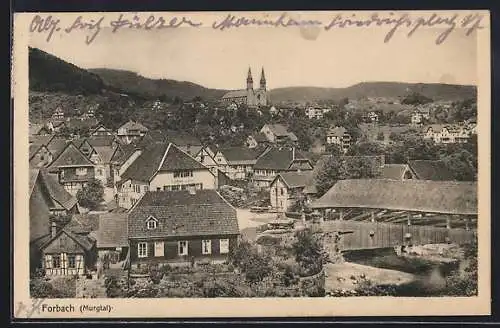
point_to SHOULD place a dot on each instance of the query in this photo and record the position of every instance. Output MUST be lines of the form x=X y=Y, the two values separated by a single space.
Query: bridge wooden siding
x=371 y=235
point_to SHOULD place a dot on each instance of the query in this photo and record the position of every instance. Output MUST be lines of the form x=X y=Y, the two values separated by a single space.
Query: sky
x=290 y=56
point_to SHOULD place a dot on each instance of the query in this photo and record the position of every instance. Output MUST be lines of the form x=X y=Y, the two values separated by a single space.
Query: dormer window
x=151 y=223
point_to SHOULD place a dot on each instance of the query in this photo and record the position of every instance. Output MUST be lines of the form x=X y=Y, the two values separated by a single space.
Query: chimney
x=53 y=229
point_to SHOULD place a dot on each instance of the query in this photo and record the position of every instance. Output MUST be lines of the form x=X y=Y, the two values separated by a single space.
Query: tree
x=308 y=252
x=329 y=174
x=380 y=136
x=91 y=195
x=462 y=164
x=365 y=149
x=416 y=98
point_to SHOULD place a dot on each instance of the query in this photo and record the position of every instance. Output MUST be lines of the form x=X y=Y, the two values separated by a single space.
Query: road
x=248 y=222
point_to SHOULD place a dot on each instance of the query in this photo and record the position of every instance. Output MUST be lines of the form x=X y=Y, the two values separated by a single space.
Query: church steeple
x=249 y=80
x=262 y=80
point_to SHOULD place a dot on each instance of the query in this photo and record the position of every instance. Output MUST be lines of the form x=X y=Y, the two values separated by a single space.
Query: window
x=99 y=171
x=48 y=261
x=158 y=188
x=183 y=174
x=224 y=246
x=142 y=249
x=206 y=247
x=152 y=223
x=81 y=171
x=56 y=261
x=175 y=188
x=159 y=249
x=281 y=191
x=71 y=261
x=182 y=248
x=146 y=188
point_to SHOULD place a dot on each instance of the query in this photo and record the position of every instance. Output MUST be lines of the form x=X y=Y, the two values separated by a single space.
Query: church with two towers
x=249 y=96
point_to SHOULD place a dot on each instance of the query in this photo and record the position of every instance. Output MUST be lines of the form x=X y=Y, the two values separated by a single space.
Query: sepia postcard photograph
x=234 y=164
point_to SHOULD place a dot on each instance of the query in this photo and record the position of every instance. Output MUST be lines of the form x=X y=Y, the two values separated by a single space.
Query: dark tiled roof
x=150 y=161
x=180 y=213
x=302 y=165
x=70 y=156
x=430 y=170
x=176 y=159
x=40 y=140
x=279 y=130
x=235 y=94
x=259 y=137
x=56 y=145
x=393 y=171
x=447 y=197
x=101 y=141
x=87 y=222
x=277 y=159
x=180 y=138
x=112 y=230
x=296 y=179
x=239 y=154
x=123 y=153
x=57 y=191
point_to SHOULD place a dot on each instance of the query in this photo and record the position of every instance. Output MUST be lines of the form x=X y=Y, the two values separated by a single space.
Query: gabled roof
x=41 y=140
x=180 y=213
x=83 y=241
x=239 y=155
x=295 y=179
x=160 y=157
x=278 y=129
x=57 y=191
x=123 y=152
x=278 y=158
x=191 y=150
x=71 y=156
x=394 y=171
x=134 y=126
x=430 y=170
x=259 y=137
x=57 y=145
x=446 y=197
x=113 y=230
x=235 y=94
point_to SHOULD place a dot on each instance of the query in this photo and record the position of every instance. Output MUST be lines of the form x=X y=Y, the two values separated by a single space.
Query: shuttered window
x=159 y=248
x=182 y=247
x=48 y=261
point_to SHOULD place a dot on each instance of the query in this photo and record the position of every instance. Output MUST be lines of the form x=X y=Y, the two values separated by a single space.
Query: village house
x=47 y=199
x=339 y=136
x=131 y=131
x=100 y=131
x=277 y=160
x=111 y=236
x=314 y=113
x=204 y=155
x=418 y=169
x=58 y=115
x=67 y=253
x=287 y=189
x=162 y=167
x=181 y=227
x=39 y=155
x=278 y=133
x=236 y=162
x=372 y=116
x=256 y=139
x=446 y=134
x=122 y=159
x=100 y=150
x=73 y=168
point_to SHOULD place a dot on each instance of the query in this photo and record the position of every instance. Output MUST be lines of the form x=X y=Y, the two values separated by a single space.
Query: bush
x=113 y=288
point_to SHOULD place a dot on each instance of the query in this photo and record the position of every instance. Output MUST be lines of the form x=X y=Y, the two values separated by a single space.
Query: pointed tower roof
x=262 y=75
x=249 y=77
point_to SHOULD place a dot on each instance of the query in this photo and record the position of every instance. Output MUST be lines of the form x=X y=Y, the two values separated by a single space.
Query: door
x=159 y=249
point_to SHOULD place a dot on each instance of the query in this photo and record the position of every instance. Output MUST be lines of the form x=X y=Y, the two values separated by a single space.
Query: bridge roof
x=446 y=197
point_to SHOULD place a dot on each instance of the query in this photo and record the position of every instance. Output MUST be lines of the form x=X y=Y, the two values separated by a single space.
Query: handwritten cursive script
x=444 y=23
x=29 y=310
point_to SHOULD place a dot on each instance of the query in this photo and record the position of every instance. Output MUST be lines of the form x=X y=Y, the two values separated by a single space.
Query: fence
x=367 y=235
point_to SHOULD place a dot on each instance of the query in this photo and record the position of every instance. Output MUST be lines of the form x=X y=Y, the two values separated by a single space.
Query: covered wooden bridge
x=384 y=213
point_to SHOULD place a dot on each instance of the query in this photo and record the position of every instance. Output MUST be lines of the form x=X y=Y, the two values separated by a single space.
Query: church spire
x=262 y=80
x=249 y=79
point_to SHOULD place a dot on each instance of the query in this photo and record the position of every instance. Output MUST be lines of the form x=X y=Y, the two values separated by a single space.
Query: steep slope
x=131 y=82
x=47 y=73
